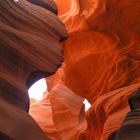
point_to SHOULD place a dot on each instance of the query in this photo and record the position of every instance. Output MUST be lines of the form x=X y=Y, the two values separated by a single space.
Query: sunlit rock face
x=102 y=59
x=102 y=62
x=60 y=114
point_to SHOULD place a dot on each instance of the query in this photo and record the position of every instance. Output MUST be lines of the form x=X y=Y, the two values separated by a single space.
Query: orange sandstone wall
x=102 y=60
x=102 y=64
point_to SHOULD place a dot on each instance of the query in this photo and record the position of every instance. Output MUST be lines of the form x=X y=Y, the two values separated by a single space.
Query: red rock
x=102 y=59
x=101 y=63
x=48 y=4
x=17 y=124
x=29 y=48
x=60 y=114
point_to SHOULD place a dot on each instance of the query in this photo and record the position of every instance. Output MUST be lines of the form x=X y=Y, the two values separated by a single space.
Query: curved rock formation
x=30 y=48
x=61 y=114
x=16 y=124
x=130 y=127
x=48 y=4
x=101 y=60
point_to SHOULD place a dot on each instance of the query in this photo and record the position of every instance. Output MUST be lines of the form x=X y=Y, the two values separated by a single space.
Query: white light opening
x=36 y=91
x=87 y=104
x=16 y=1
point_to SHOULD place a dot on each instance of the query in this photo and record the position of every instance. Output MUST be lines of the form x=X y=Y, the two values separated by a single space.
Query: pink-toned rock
x=61 y=115
x=101 y=62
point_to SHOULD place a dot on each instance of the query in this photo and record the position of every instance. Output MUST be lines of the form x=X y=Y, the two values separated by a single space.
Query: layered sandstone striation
x=30 y=47
x=101 y=62
x=131 y=125
x=31 y=37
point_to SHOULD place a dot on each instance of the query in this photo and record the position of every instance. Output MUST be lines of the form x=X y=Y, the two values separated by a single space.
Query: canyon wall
x=102 y=64
x=30 y=48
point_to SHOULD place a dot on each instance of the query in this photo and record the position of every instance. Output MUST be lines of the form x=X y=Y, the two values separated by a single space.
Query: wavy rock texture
x=30 y=48
x=16 y=124
x=47 y=4
x=130 y=127
x=61 y=114
x=102 y=62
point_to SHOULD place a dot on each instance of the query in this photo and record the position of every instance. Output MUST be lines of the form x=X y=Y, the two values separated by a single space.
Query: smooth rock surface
x=30 y=48
x=60 y=114
x=16 y=124
x=48 y=4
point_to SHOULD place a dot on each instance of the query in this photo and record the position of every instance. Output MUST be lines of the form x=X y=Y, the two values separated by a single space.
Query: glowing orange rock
x=102 y=64
x=102 y=59
x=61 y=114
